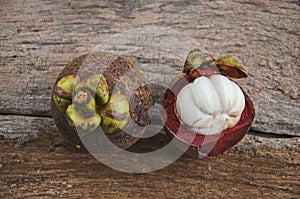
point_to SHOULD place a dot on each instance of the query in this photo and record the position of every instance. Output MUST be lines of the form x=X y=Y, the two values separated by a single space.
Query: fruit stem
x=82 y=97
x=84 y=103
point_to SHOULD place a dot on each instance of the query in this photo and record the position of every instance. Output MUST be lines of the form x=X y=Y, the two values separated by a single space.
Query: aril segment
x=210 y=105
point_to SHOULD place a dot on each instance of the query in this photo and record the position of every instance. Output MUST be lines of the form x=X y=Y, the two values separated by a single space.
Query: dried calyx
x=203 y=104
x=115 y=114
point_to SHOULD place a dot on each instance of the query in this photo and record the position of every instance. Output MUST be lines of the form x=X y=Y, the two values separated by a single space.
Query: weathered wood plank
x=249 y=170
x=39 y=37
x=28 y=127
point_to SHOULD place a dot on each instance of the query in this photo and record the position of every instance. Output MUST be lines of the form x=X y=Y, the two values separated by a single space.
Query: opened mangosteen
x=101 y=90
x=204 y=107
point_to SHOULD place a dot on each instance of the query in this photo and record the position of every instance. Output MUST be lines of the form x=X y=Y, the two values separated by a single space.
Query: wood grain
x=253 y=169
x=39 y=37
x=30 y=127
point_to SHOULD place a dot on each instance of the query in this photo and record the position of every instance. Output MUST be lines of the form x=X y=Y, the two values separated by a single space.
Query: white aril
x=210 y=104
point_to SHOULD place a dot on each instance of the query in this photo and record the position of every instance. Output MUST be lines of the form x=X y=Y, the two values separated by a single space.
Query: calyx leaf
x=195 y=59
x=230 y=67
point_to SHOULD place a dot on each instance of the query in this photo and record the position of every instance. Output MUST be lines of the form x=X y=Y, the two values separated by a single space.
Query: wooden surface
x=38 y=37
x=253 y=169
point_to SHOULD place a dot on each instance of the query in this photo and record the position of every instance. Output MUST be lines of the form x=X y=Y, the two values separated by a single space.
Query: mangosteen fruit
x=103 y=91
x=205 y=107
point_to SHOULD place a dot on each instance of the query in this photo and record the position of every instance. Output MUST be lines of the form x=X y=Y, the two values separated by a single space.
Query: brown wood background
x=38 y=37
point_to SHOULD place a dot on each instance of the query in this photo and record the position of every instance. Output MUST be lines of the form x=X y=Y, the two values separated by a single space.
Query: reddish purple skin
x=224 y=141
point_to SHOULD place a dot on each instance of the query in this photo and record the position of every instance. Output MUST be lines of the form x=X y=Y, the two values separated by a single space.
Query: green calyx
x=62 y=93
x=82 y=124
x=115 y=114
x=230 y=67
x=195 y=59
x=102 y=92
x=82 y=113
x=87 y=104
x=227 y=66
